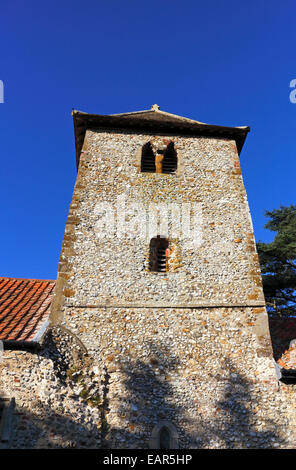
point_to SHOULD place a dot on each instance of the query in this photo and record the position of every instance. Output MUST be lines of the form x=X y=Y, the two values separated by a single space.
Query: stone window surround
x=154 y=442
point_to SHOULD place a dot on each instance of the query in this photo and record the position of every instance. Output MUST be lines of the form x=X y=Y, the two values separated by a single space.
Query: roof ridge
x=153 y=109
x=156 y=109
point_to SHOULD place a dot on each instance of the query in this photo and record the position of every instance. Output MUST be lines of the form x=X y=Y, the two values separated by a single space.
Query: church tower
x=159 y=279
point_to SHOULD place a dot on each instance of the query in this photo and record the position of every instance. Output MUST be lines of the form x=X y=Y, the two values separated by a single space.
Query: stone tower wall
x=221 y=269
x=190 y=346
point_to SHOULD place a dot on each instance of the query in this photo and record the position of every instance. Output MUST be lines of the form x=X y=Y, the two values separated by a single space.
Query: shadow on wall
x=148 y=397
x=60 y=416
x=150 y=401
x=51 y=430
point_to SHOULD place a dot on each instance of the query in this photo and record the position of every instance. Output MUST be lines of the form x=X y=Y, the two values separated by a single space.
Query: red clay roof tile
x=288 y=359
x=282 y=331
x=24 y=307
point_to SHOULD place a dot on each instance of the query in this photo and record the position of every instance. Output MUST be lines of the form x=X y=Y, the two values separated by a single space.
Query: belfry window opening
x=148 y=159
x=170 y=160
x=159 y=161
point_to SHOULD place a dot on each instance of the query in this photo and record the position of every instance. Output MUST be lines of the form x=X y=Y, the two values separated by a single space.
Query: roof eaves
x=83 y=121
x=26 y=279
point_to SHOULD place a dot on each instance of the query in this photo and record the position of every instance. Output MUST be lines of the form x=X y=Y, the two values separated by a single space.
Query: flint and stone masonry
x=175 y=359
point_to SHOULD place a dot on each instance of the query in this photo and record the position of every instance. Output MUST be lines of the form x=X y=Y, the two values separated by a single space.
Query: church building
x=155 y=333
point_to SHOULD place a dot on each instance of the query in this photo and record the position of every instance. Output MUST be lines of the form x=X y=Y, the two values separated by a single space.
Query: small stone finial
x=155 y=107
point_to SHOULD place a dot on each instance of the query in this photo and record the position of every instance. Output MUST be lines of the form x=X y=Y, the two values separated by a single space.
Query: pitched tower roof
x=153 y=120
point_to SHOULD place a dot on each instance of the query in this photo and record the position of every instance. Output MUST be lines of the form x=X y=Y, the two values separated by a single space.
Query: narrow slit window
x=164 y=438
x=158 y=254
x=6 y=410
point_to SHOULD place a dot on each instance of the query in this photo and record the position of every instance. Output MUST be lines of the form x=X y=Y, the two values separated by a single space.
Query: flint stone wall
x=214 y=396
x=100 y=267
x=200 y=369
x=57 y=392
x=190 y=346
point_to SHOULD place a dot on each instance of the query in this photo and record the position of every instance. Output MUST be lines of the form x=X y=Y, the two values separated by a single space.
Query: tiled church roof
x=288 y=359
x=282 y=331
x=24 y=307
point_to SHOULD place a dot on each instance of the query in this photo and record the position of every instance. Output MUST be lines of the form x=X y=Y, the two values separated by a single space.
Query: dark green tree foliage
x=278 y=262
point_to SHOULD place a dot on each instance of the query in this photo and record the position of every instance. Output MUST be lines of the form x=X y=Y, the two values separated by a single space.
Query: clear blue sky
x=222 y=62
